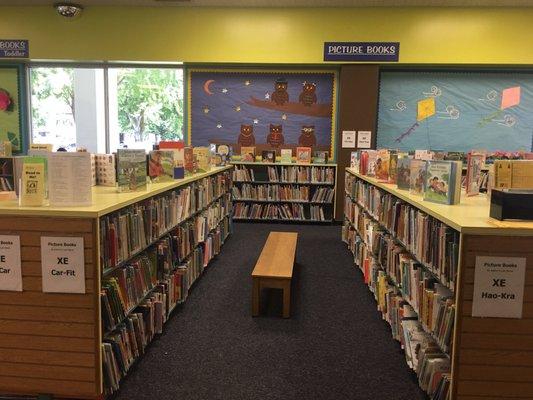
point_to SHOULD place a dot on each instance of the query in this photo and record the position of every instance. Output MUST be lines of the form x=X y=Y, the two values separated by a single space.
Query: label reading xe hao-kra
x=361 y=51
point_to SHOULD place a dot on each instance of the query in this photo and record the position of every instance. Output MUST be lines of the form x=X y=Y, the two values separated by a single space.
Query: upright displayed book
x=248 y=153
x=371 y=162
x=382 y=165
x=286 y=156
x=417 y=176
x=177 y=148
x=7 y=174
x=70 y=179
x=188 y=160
x=393 y=166
x=131 y=170
x=161 y=165
x=443 y=182
x=403 y=173
x=33 y=183
x=321 y=157
x=474 y=166
x=268 y=156
x=303 y=155
x=354 y=160
x=106 y=169
x=202 y=158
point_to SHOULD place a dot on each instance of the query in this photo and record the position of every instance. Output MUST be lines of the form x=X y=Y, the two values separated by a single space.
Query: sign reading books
x=10 y=266
x=10 y=48
x=361 y=51
x=63 y=264
x=499 y=287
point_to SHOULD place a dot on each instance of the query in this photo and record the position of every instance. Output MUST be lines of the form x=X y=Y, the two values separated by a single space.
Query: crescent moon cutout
x=206 y=86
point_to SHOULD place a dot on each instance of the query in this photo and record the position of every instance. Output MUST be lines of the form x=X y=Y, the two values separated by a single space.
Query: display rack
x=284 y=192
x=491 y=358
x=53 y=343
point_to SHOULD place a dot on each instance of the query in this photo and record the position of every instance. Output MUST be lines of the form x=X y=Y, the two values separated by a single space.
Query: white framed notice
x=364 y=139
x=70 y=179
x=63 y=264
x=10 y=265
x=499 y=287
x=348 y=139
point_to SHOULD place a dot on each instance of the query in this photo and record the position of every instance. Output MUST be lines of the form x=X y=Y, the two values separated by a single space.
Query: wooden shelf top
x=294 y=164
x=105 y=199
x=471 y=216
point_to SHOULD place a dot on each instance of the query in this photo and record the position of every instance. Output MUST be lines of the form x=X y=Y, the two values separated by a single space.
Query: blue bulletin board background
x=478 y=110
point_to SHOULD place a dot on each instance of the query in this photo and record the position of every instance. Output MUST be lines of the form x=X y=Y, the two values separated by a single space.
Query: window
x=68 y=107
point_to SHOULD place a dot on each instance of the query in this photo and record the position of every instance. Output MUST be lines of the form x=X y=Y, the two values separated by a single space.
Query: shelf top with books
x=294 y=164
x=471 y=216
x=105 y=199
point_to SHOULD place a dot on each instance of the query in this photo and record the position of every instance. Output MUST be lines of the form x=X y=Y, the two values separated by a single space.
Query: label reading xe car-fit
x=361 y=51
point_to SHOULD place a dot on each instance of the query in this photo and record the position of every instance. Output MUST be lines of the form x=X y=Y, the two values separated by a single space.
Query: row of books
x=429 y=240
x=271 y=192
x=131 y=229
x=429 y=327
x=277 y=212
x=128 y=340
x=288 y=174
x=303 y=155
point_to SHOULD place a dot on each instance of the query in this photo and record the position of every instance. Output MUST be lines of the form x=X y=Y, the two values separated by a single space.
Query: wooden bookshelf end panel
x=494 y=355
x=49 y=342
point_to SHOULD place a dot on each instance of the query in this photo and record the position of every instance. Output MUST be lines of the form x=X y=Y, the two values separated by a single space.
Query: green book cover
x=439 y=182
x=131 y=170
x=286 y=156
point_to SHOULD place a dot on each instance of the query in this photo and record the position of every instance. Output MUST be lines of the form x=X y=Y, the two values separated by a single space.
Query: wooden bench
x=274 y=269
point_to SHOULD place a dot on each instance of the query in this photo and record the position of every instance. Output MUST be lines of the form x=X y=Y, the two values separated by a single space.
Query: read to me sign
x=12 y=48
x=362 y=51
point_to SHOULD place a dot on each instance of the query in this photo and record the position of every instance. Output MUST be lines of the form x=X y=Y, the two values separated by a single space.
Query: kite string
x=427 y=133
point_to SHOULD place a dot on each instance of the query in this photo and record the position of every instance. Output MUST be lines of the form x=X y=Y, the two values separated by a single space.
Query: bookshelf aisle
x=283 y=192
x=418 y=258
x=142 y=252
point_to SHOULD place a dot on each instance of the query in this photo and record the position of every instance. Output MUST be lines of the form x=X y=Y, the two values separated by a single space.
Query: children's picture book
x=393 y=167
x=475 y=163
x=202 y=158
x=321 y=157
x=224 y=151
x=6 y=149
x=425 y=155
x=354 y=160
x=248 y=153
x=403 y=173
x=371 y=162
x=268 y=156
x=417 y=176
x=33 y=183
x=303 y=155
x=131 y=170
x=382 y=165
x=286 y=156
x=443 y=182
x=106 y=169
x=188 y=160
x=177 y=147
x=161 y=165
x=363 y=162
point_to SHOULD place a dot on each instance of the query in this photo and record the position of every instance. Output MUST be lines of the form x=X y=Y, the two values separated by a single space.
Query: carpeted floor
x=335 y=345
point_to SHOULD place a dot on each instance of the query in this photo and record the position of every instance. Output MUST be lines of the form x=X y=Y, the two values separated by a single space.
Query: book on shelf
x=178 y=148
x=382 y=165
x=248 y=153
x=131 y=170
x=286 y=156
x=188 y=160
x=303 y=155
x=7 y=170
x=372 y=158
x=417 y=176
x=443 y=182
x=424 y=155
x=321 y=157
x=6 y=149
x=161 y=165
x=106 y=169
x=393 y=166
x=474 y=166
x=354 y=160
x=268 y=156
x=202 y=157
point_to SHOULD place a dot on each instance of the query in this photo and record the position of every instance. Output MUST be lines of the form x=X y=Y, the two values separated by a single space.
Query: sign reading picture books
x=10 y=266
x=63 y=264
x=499 y=287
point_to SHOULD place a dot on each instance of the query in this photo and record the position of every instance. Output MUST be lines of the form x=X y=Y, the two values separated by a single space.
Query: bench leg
x=256 y=292
x=287 y=299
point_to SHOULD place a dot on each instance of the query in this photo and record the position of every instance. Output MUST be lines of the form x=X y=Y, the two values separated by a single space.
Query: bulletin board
x=12 y=106
x=455 y=111
x=266 y=109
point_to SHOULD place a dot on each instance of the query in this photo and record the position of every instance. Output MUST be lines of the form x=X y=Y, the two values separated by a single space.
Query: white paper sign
x=348 y=139
x=499 y=287
x=70 y=179
x=63 y=264
x=364 y=139
x=10 y=265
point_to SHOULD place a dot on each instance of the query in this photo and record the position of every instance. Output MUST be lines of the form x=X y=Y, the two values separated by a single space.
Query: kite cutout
x=426 y=108
x=510 y=97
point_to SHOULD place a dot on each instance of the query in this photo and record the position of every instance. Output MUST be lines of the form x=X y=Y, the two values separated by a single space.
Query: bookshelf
x=57 y=343
x=489 y=358
x=284 y=192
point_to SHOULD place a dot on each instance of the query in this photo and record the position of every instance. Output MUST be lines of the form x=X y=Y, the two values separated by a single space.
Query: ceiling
x=285 y=3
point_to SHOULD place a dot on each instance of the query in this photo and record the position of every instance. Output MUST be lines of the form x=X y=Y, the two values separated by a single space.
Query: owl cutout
x=280 y=95
x=307 y=137
x=308 y=95
x=275 y=137
x=246 y=137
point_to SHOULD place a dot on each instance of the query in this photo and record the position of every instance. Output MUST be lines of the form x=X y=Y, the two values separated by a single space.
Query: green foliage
x=151 y=101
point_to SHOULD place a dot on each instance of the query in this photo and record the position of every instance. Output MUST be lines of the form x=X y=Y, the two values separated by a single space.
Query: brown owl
x=307 y=137
x=308 y=95
x=246 y=137
x=275 y=137
x=280 y=95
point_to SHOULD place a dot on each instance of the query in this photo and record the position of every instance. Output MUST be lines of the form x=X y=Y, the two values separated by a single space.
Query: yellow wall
x=427 y=35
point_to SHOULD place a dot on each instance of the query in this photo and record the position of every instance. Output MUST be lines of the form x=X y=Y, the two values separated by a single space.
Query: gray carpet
x=335 y=346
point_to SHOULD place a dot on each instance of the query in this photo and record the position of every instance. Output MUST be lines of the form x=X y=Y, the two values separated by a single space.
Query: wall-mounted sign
x=361 y=51
x=364 y=139
x=348 y=139
x=10 y=266
x=499 y=287
x=63 y=264
x=10 y=48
